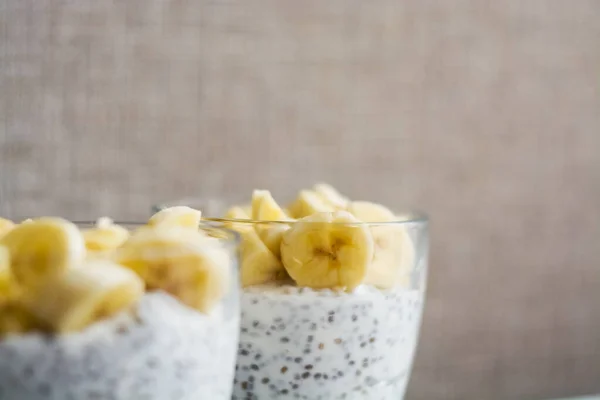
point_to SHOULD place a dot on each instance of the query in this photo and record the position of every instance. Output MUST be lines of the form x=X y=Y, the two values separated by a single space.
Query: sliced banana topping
x=9 y=288
x=180 y=262
x=6 y=226
x=309 y=203
x=105 y=236
x=258 y=263
x=247 y=208
x=327 y=250
x=6 y=280
x=393 y=256
x=272 y=235
x=16 y=320
x=42 y=249
x=265 y=208
x=179 y=216
x=307 y=249
x=239 y=213
x=56 y=278
x=85 y=295
x=370 y=212
x=331 y=196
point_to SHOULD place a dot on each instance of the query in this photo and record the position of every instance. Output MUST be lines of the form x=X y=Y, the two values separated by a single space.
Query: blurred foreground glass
x=161 y=350
x=298 y=342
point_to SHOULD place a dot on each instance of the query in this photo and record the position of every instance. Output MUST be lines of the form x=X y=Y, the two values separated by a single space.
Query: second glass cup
x=171 y=344
x=302 y=337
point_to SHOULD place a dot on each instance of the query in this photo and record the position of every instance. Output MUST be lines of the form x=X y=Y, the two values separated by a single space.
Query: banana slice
x=331 y=196
x=184 y=263
x=308 y=203
x=265 y=208
x=106 y=236
x=82 y=296
x=6 y=226
x=370 y=212
x=9 y=289
x=327 y=250
x=247 y=209
x=272 y=235
x=393 y=257
x=238 y=213
x=178 y=216
x=43 y=248
x=6 y=280
x=394 y=252
x=15 y=320
x=258 y=263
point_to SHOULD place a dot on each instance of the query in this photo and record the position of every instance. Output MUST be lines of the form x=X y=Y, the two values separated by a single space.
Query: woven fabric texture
x=485 y=114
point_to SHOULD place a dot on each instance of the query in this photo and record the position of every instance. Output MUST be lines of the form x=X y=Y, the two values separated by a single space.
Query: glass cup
x=161 y=350
x=297 y=342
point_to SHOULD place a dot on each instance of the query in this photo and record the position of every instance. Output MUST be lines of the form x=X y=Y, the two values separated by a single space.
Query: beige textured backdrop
x=486 y=114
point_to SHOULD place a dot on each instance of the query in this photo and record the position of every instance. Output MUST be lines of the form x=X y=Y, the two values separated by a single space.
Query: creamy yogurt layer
x=300 y=343
x=161 y=350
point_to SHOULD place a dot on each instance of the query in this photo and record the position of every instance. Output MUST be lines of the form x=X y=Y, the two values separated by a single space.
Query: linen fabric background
x=485 y=114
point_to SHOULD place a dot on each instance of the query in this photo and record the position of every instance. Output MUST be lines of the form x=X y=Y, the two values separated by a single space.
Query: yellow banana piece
x=105 y=236
x=178 y=216
x=394 y=253
x=187 y=264
x=82 y=296
x=15 y=320
x=257 y=263
x=6 y=280
x=393 y=257
x=42 y=249
x=331 y=196
x=327 y=250
x=9 y=288
x=308 y=203
x=247 y=209
x=367 y=211
x=272 y=235
x=6 y=226
x=265 y=208
x=238 y=212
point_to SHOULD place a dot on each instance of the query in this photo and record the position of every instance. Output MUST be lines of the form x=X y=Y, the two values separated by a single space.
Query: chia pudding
x=332 y=296
x=161 y=350
x=107 y=312
x=299 y=343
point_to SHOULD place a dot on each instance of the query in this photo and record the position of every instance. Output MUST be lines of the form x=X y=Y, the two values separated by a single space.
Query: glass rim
x=116 y=222
x=403 y=218
x=231 y=236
